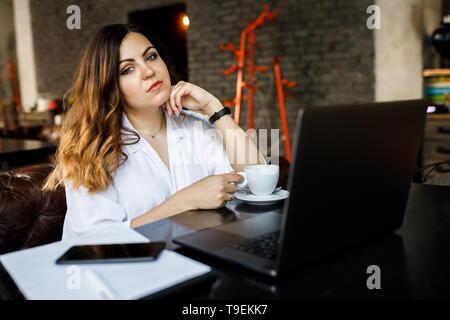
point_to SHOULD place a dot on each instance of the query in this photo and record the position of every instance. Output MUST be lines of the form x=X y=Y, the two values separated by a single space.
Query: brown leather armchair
x=29 y=217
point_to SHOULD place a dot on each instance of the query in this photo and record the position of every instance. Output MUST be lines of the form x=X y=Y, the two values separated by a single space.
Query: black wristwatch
x=217 y=115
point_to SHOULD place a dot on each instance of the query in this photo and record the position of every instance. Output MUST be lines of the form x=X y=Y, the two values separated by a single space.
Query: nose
x=147 y=71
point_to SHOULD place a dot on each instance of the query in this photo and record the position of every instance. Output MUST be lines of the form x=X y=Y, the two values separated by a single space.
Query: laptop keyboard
x=264 y=246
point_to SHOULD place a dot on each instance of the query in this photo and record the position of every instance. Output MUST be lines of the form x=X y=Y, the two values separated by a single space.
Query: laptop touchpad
x=255 y=226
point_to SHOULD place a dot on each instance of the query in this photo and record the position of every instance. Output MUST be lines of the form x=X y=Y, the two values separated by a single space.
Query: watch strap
x=217 y=115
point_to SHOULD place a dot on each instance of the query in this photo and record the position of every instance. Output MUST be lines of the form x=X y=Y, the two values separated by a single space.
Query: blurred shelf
x=49 y=133
x=436 y=72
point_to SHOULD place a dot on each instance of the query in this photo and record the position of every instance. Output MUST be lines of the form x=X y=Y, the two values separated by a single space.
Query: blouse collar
x=126 y=135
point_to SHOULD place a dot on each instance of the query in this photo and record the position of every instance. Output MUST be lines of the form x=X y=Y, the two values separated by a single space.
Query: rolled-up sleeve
x=89 y=211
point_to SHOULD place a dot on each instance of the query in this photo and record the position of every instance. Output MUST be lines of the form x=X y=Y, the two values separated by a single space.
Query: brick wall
x=58 y=49
x=326 y=45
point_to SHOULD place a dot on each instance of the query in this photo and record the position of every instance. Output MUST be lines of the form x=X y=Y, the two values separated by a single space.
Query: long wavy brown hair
x=90 y=149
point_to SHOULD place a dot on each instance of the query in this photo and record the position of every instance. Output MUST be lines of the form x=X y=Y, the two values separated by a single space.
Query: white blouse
x=143 y=182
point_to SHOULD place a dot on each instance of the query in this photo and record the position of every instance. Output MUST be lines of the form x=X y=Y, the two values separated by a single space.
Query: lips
x=155 y=86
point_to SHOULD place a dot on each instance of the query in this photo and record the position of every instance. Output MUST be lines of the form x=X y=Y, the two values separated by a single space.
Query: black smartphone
x=107 y=253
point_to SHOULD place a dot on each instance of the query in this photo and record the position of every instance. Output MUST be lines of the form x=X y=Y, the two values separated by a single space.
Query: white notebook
x=38 y=276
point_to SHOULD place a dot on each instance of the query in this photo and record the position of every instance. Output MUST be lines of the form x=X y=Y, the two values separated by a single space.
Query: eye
x=127 y=70
x=151 y=57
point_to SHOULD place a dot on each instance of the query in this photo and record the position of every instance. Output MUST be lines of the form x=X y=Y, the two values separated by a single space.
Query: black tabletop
x=413 y=261
x=8 y=145
x=21 y=152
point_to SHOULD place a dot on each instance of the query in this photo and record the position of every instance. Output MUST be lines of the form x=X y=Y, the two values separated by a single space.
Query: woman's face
x=143 y=76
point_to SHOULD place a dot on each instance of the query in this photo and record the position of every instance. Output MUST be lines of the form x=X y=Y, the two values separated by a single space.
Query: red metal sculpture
x=250 y=85
x=263 y=18
x=15 y=85
x=281 y=96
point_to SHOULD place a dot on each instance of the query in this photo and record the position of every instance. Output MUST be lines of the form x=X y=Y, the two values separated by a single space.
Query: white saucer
x=249 y=197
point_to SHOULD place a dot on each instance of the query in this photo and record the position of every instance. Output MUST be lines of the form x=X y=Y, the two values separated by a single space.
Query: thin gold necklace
x=153 y=135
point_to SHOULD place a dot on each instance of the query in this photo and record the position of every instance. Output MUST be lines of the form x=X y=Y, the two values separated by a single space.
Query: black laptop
x=349 y=180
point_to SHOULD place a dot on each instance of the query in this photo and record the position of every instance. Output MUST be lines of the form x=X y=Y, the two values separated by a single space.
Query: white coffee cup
x=262 y=179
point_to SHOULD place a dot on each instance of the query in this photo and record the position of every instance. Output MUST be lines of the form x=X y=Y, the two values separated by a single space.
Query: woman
x=129 y=153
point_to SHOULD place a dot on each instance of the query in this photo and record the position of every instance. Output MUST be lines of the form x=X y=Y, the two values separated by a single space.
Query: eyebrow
x=143 y=54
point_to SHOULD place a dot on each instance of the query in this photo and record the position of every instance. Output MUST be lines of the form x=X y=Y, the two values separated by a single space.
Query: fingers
x=178 y=99
x=228 y=190
x=168 y=108
x=176 y=93
x=233 y=177
x=224 y=201
x=171 y=101
x=230 y=197
x=231 y=188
